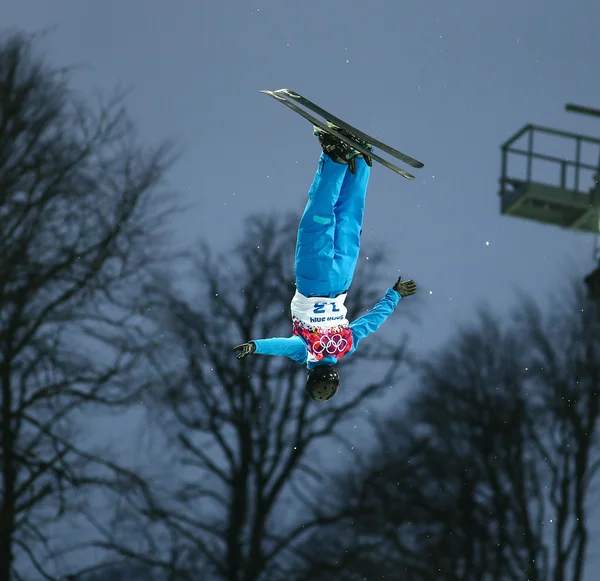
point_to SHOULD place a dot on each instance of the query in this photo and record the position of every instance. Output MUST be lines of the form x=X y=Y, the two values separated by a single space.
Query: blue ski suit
x=327 y=250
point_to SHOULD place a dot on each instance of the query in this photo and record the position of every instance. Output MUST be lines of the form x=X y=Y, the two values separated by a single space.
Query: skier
x=327 y=250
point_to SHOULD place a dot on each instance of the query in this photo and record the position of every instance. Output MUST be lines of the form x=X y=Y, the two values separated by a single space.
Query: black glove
x=405 y=288
x=245 y=349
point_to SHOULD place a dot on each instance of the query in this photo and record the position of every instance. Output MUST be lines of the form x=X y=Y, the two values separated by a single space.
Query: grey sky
x=447 y=82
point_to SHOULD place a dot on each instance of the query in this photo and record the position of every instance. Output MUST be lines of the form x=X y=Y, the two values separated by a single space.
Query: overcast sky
x=447 y=82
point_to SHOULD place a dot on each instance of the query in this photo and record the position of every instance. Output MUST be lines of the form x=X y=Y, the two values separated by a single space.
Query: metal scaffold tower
x=556 y=181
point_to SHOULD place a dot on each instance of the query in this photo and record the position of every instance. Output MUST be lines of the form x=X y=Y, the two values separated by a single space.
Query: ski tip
x=271 y=94
x=274 y=95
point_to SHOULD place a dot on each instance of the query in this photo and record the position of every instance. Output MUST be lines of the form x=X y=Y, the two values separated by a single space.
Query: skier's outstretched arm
x=370 y=322
x=292 y=347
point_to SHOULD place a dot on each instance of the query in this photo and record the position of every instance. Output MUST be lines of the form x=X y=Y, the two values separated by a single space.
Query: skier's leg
x=316 y=270
x=349 y=211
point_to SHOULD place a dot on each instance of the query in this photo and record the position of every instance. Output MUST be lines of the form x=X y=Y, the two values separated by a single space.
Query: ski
x=326 y=127
x=298 y=98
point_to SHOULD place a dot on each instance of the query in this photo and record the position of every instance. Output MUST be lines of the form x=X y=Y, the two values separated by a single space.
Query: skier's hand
x=245 y=349
x=405 y=287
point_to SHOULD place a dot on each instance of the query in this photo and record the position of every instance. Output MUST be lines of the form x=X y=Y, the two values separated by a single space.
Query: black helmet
x=322 y=383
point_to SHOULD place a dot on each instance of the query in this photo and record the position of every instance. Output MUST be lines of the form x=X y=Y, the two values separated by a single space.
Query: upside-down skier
x=327 y=250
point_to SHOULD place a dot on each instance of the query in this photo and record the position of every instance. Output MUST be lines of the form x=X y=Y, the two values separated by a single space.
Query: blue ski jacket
x=296 y=348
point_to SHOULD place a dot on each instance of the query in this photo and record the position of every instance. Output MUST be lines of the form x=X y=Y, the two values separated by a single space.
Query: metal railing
x=530 y=130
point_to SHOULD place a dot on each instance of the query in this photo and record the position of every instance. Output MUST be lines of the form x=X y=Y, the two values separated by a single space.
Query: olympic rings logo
x=330 y=345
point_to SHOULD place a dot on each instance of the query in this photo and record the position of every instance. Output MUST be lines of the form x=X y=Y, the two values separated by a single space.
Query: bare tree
x=452 y=492
x=382 y=510
x=81 y=225
x=473 y=401
x=494 y=483
x=564 y=366
x=250 y=450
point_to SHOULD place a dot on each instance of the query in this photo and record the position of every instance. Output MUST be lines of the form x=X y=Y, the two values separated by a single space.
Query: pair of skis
x=292 y=100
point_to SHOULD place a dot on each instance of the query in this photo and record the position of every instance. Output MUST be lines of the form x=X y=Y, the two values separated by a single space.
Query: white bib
x=321 y=322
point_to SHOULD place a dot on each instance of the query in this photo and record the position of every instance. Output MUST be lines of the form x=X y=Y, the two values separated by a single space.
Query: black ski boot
x=339 y=151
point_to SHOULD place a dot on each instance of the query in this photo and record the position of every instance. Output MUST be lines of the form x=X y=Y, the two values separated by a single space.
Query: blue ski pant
x=328 y=242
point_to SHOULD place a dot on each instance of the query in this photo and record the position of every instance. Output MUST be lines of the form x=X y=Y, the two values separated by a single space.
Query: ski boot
x=339 y=151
